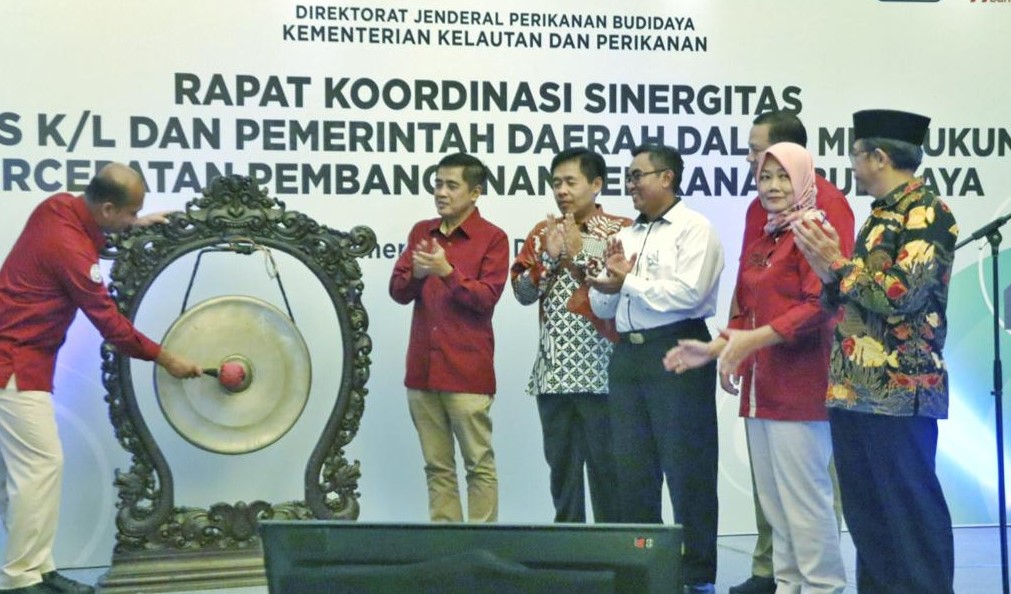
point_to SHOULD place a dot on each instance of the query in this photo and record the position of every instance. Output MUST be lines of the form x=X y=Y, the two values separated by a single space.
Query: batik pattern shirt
x=886 y=356
x=573 y=347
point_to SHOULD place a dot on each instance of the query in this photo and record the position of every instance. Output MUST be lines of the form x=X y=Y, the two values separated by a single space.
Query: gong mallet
x=234 y=374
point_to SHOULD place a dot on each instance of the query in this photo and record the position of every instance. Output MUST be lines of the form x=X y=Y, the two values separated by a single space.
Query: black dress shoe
x=39 y=588
x=65 y=585
x=755 y=585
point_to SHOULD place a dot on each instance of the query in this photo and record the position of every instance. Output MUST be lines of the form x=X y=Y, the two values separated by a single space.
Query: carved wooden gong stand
x=159 y=545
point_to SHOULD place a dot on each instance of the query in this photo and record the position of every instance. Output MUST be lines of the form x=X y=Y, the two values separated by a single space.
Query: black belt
x=643 y=336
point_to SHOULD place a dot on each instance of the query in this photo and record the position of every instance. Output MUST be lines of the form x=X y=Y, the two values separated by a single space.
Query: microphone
x=985 y=230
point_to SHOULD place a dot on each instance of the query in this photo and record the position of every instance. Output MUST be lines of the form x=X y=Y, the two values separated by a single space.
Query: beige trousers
x=791 y=460
x=31 y=466
x=761 y=558
x=439 y=417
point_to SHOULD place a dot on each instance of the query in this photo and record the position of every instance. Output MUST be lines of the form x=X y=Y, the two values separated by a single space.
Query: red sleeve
x=529 y=257
x=76 y=268
x=404 y=288
x=754 y=223
x=838 y=212
x=527 y=270
x=480 y=294
x=807 y=315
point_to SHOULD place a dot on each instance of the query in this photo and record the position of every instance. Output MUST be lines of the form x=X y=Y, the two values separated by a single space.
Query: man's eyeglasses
x=854 y=155
x=636 y=176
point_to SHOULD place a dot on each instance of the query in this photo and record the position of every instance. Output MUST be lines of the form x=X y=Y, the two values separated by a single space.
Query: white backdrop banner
x=341 y=110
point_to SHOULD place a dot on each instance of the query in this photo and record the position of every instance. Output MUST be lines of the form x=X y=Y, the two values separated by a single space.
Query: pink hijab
x=800 y=167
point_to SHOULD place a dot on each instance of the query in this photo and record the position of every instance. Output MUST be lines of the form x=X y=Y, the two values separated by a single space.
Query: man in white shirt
x=661 y=283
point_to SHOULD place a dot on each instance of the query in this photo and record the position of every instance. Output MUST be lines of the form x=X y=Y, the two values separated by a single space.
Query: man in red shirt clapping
x=454 y=270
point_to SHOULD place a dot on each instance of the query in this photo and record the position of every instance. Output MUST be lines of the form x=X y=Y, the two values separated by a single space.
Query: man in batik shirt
x=569 y=377
x=888 y=384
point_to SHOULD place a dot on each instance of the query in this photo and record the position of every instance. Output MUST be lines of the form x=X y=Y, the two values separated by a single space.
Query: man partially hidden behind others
x=50 y=273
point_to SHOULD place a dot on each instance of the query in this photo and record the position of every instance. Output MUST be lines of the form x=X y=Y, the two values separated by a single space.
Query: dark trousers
x=577 y=433
x=893 y=503
x=664 y=425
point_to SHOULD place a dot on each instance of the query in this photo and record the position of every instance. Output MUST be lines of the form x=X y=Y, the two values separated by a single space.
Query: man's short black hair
x=905 y=156
x=591 y=164
x=474 y=171
x=784 y=126
x=663 y=157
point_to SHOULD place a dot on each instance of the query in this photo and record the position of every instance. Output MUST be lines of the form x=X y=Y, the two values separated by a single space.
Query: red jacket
x=776 y=286
x=452 y=345
x=50 y=273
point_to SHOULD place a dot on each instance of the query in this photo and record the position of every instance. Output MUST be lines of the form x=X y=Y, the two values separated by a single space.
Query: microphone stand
x=992 y=233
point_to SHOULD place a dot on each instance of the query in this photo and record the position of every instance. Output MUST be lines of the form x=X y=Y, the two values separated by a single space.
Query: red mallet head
x=232 y=376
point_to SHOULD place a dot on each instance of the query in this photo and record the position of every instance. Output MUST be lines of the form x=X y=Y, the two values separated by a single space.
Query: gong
x=259 y=393
x=243 y=416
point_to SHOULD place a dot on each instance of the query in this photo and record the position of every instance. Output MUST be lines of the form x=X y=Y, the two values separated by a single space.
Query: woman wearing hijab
x=779 y=344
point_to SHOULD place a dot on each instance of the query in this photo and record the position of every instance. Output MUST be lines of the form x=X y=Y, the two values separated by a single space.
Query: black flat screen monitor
x=336 y=557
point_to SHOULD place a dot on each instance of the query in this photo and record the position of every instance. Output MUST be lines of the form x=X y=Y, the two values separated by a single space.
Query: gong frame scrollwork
x=232 y=209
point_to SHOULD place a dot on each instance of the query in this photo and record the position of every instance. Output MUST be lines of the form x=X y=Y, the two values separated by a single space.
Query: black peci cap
x=891 y=124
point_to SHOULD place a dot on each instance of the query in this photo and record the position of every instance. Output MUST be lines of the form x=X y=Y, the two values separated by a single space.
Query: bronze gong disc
x=242 y=417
